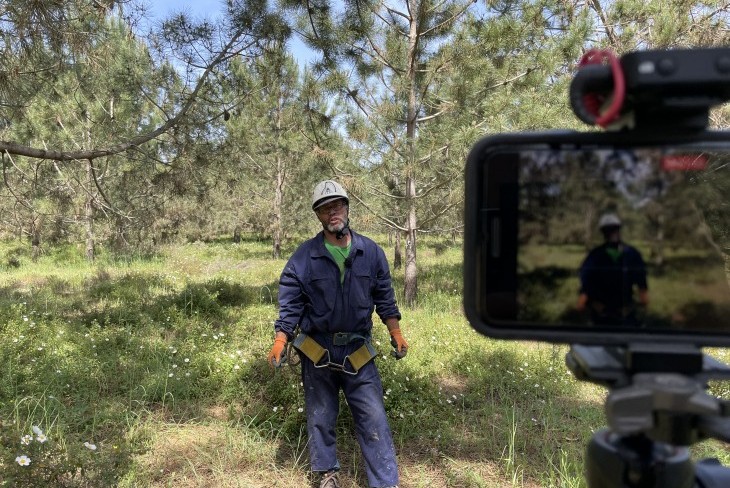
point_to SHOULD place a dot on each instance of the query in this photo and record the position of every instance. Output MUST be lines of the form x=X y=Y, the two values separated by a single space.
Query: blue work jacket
x=312 y=296
x=612 y=282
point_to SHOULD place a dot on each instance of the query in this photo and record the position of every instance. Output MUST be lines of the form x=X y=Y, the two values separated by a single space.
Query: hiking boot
x=330 y=480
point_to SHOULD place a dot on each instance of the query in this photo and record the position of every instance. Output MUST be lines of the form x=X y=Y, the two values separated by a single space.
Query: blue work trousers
x=364 y=395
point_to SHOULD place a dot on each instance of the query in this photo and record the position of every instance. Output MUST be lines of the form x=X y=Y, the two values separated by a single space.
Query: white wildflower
x=23 y=460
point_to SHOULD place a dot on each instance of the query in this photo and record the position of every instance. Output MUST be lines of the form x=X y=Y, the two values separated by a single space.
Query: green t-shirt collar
x=614 y=253
x=339 y=254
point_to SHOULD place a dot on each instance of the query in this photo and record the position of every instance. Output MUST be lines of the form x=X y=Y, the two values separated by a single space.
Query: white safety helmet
x=609 y=220
x=327 y=191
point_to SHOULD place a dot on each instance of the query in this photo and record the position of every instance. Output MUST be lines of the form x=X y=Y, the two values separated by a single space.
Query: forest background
x=117 y=129
x=127 y=139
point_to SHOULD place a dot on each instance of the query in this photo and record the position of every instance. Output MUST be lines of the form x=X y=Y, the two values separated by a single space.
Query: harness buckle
x=345 y=338
x=341 y=338
x=321 y=357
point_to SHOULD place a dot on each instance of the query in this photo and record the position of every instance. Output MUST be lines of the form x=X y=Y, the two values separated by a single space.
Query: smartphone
x=599 y=238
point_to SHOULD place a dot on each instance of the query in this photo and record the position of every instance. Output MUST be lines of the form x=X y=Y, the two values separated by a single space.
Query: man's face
x=333 y=215
x=612 y=233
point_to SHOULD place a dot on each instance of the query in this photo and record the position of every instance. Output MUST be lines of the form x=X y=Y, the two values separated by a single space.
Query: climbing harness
x=316 y=353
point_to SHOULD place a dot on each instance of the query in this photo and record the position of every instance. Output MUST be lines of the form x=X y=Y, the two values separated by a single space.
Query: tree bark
x=35 y=240
x=89 y=213
x=659 y=242
x=397 y=252
x=588 y=228
x=278 y=198
x=279 y=190
x=411 y=271
x=89 y=204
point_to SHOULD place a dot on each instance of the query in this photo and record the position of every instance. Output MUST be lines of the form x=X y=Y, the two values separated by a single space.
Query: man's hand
x=277 y=351
x=399 y=343
x=582 y=302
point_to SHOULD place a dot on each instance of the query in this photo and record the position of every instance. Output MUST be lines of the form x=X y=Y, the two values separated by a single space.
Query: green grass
x=159 y=361
x=689 y=290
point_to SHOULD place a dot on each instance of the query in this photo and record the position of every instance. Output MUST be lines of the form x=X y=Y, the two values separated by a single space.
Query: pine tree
x=380 y=56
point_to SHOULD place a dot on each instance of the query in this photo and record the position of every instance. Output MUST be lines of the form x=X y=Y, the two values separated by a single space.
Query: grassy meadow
x=150 y=371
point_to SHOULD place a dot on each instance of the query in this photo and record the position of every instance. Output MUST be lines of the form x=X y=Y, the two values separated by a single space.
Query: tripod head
x=657 y=407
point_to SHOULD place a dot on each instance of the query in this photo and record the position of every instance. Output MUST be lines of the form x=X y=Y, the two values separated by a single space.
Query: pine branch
x=596 y=4
x=22 y=150
x=450 y=19
x=432 y=116
x=457 y=227
x=378 y=216
x=18 y=200
x=103 y=195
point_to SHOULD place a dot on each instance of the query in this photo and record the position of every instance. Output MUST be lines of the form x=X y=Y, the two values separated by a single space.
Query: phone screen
x=633 y=239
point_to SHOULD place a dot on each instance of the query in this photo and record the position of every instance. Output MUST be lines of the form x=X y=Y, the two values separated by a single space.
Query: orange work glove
x=399 y=344
x=582 y=302
x=274 y=358
x=644 y=297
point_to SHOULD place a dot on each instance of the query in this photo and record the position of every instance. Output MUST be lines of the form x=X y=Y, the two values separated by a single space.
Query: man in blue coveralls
x=329 y=288
x=609 y=276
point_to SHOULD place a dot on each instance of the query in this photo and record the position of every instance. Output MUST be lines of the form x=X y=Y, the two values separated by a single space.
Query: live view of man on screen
x=610 y=275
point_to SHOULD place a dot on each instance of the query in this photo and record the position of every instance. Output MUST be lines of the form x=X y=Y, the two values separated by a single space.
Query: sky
x=197 y=8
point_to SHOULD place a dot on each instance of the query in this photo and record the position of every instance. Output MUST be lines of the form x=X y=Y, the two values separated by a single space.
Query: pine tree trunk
x=89 y=204
x=659 y=242
x=120 y=237
x=397 y=252
x=411 y=271
x=279 y=190
x=411 y=274
x=89 y=214
x=278 y=197
x=588 y=229
x=35 y=242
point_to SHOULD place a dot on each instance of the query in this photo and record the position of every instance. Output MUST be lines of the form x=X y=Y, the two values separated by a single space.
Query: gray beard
x=334 y=229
